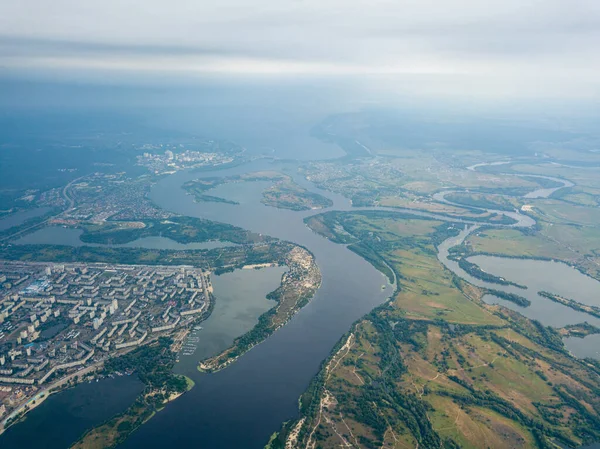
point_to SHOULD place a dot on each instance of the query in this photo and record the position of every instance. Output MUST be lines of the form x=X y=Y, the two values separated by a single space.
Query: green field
x=438 y=368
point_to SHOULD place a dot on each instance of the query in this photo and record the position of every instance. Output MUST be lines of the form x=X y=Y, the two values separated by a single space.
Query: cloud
x=510 y=41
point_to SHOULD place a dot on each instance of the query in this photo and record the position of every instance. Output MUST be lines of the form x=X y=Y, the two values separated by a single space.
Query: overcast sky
x=507 y=47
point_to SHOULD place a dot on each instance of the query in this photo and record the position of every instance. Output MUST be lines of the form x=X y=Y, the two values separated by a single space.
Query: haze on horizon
x=498 y=49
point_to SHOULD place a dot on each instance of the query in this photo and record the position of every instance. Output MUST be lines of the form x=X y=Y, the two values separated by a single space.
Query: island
x=283 y=192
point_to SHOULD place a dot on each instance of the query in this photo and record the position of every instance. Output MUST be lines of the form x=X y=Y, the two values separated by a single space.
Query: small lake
x=57 y=235
x=540 y=275
x=553 y=277
x=537 y=275
x=18 y=218
x=64 y=417
x=240 y=299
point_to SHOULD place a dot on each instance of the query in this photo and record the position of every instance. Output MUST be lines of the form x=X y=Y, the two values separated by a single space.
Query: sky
x=510 y=48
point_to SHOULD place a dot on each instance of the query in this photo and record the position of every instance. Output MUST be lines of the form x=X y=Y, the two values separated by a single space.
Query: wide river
x=241 y=406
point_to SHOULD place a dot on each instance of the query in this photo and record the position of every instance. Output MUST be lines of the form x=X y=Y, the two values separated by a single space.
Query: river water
x=18 y=218
x=242 y=405
x=537 y=275
x=240 y=299
x=64 y=417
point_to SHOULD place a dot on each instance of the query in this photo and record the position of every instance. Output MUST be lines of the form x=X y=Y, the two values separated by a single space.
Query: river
x=243 y=404
x=18 y=218
x=63 y=417
x=537 y=275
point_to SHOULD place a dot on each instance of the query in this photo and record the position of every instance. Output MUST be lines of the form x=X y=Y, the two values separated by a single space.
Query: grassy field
x=436 y=367
x=514 y=243
x=576 y=245
x=561 y=212
x=581 y=176
x=426 y=204
x=485 y=200
x=428 y=292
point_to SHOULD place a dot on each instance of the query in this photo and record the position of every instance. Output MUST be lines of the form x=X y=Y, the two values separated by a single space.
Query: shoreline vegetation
x=284 y=193
x=516 y=299
x=580 y=330
x=571 y=303
x=153 y=364
x=476 y=272
x=436 y=367
x=180 y=229
x=226 y=258
x=465 y=252
x=298 y=285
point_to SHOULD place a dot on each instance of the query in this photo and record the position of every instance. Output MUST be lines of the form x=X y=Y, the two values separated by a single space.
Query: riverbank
x=154 y=364
x=298 y=286
x=31 y=403
x=438 y=367
x=350 y=289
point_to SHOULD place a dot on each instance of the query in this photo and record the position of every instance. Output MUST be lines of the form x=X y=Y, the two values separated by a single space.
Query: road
x=70 y=205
